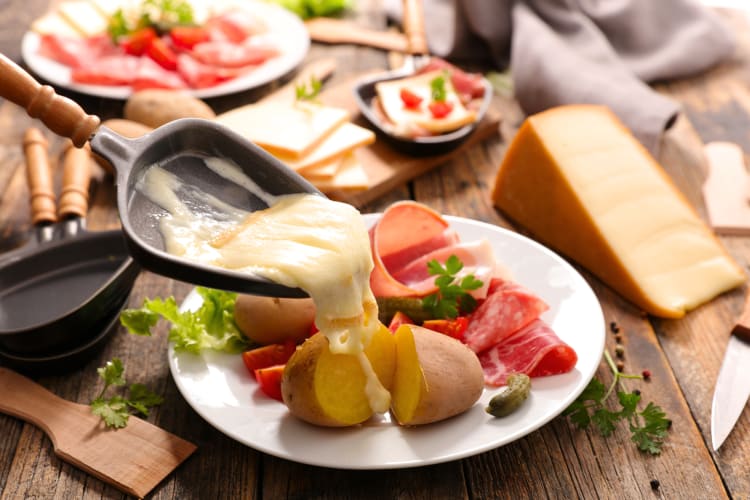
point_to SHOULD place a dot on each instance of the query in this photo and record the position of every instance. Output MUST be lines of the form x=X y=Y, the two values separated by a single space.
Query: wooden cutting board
x=387 y=168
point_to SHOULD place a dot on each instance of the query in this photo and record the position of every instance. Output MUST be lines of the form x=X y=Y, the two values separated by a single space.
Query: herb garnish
x=437 y=89
x=161 y=14
x=453 y=295
x=648 y=427
x=115 y=410
x=303 y=93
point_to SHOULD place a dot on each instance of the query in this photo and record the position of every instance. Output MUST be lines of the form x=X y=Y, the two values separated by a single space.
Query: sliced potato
x=329 y=389
x=272 y=320
x=436 y=376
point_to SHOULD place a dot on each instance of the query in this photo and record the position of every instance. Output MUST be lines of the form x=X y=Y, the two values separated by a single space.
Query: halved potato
x=436 y=376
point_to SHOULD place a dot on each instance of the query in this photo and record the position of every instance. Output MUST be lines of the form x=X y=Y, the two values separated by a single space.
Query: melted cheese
x=578 y=179
x=301 y=240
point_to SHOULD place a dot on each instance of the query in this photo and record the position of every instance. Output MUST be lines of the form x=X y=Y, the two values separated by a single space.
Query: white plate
x=285 y=29
x=220 y=389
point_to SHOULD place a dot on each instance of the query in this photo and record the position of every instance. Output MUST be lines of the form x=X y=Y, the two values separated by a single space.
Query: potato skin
x=271 y=320
x=453 y=376
x=155 y=107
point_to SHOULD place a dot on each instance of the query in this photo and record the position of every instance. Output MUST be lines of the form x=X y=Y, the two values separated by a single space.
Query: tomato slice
x=269 y=355
x=440 y=109
x=159 y=51
x=452 y=327
x=137 y=42
x=399 y=319
x=269 y=380
x=187 y=37
x=410 y=99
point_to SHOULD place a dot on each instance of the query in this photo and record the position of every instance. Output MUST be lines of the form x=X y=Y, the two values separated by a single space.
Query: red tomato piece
x=410 y=99
x=137 y=42
x=399 y=319
x=440 y=109
x=269 y=380
x=452 y=327
x=269 y=355
x=159 y=51
x=186 y=37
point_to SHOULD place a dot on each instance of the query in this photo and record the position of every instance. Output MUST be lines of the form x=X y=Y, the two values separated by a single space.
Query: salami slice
x=508 y=308
x=534 y=350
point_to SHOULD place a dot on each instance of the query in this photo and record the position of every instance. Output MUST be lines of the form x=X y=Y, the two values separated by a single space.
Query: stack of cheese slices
x=317 y=141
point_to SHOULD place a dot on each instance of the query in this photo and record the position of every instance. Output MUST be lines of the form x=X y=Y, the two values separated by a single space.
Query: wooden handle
x=74 y=196
x=23 y=398
x=414 y=27
x=742 y=328
x=60 y=114
x=329 y=30
x=39 y=177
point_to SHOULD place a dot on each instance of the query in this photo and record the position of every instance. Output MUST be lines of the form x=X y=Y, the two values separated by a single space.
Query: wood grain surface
x=556 y=461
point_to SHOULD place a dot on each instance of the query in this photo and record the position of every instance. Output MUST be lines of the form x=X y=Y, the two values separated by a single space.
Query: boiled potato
x=328 y=389
x=155 y=107
x=272 y=320
x=436 y=376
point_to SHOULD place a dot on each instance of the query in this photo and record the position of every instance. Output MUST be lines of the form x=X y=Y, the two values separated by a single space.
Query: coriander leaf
x=649 y=436
x=437 y=89
x=139 y=321
x=629 y=402
x=141 y=398
x=113 y=411
x=452 y=297
x=304 y=94
x=112 y=373
x=605 y=420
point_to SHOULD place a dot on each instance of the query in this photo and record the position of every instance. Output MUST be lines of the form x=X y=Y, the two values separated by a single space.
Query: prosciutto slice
x=534 y=350
x=508 y=308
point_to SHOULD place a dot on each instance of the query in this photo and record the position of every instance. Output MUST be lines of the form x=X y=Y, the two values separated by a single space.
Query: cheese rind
x=582 y=184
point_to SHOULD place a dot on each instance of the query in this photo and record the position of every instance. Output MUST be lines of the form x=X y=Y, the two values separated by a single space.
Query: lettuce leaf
x=211 y=326
x=306 y=9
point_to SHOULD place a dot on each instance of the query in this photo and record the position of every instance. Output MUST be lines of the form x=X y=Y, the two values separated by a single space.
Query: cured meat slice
x=406 y=231
x=231 y=55
x=199 y=75
x=478 y=259
x=235 y=26
x=109 y=70
x=152 y=75
x=74 y=52
x=534 y=350
x=508 y=308
x=468 y=85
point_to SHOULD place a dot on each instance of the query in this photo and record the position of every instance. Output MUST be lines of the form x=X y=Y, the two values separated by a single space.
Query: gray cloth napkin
x=584 y=51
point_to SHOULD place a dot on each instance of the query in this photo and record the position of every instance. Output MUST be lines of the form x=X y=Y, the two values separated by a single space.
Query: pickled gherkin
x=518 y=387
x=411 y=306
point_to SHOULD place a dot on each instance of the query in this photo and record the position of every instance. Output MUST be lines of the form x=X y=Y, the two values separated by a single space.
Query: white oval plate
x=220 y=389
x=285 y=29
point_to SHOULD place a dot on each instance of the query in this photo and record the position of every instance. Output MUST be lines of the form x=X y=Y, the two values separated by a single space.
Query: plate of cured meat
x=250 y=45
x=568 y=329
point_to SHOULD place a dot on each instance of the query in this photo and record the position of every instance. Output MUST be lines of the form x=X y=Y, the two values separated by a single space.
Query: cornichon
x=411 y=306
x=515 y=393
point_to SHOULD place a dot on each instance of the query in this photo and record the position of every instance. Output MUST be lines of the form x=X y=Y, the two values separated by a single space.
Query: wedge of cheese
x=403 y=118
x=341 y=141
x=581 y=183
x=284 y=129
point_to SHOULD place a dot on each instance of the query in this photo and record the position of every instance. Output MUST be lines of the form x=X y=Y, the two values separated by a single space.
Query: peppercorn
x=613 y=326
x=618 y=339
x=655 y=484
x=646 y=374
x=637 y=392
x=619 y=350
x=620 y=366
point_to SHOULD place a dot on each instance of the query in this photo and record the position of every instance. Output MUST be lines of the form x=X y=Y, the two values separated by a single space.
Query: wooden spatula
x=133 y=459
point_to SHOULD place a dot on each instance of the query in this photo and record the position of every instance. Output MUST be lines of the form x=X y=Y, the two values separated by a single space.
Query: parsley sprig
x=437 y=88
x=453 y=295
x=648 y=427
x=115 y=410
x=304 y=92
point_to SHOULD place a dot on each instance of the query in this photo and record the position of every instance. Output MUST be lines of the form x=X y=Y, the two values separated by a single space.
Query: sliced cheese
x=325 y=170
x=54 y=24
x=350 y=177
x=83 y=16
x=292 y=130
x=107 y=7
x=403 y=118
x=581 y=183
x=341 y=141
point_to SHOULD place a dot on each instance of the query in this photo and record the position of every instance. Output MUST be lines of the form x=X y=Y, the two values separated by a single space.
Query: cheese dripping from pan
x=301 y=241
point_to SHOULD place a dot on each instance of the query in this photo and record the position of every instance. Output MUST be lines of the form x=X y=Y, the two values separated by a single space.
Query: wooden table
x=556 y=461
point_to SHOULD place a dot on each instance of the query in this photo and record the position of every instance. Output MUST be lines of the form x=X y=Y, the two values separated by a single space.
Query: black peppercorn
x=655 y=484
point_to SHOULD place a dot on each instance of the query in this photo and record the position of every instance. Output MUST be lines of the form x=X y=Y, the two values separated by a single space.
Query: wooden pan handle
x=742 y=328
x=414 y=27
x=60 y=114
x=74 y=195
x=39 y=177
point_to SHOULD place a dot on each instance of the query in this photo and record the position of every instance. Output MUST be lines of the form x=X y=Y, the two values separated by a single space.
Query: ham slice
x=534 y=350
x=151 y=75
x=108 y=70
x=468 y=85
x=508 y=308
x=75 y=52
x=228 y=54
